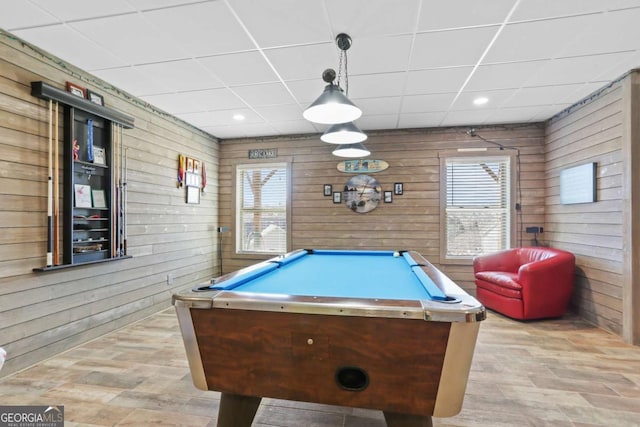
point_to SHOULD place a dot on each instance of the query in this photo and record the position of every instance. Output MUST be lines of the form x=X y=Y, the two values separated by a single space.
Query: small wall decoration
x=94 y=97
x=328 y=189
x=388 y=198
x=193 y=195
x=362 y=193
x=263 y=153
x=362 y=166
x=337 y=197
x=398 y=189
x=99 y=156
x=76 y=90
x=83 y=196
x=99 y=199
x=191 y=174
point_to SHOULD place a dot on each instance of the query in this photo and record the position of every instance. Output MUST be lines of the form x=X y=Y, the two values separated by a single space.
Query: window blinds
x=477 y=205
x=261 y=208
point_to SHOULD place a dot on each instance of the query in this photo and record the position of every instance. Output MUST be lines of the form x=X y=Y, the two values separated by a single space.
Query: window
x=477 y=217
x=261 y=208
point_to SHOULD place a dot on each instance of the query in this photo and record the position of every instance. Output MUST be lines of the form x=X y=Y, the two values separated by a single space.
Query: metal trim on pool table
x=464 y=309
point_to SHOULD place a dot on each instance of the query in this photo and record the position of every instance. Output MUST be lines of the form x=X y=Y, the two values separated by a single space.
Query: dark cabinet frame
x=88 y=232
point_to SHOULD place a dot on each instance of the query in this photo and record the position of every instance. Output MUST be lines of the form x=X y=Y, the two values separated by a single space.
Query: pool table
x=383 y=330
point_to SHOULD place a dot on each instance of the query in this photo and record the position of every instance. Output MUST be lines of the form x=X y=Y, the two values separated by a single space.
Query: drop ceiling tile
x=515 y=115
x=619 y=68
x=306 y=91
x=173 y=103
x=257 y=129
x=24 y=16
x=420 y=120
x=180 y=76
x=541 y=9
x=220 y=118
x=216 y=99
x=378 y=106
x=466 y=118
x=379 y=55
x=284 y=22
x=613 y=31
x=223 y=132
x=280 y=113
x=240 y=68
x=72 y=10
x=201 y=29
x=135 y=41
x=65 y=43
x=503 y=76
x=518 y=43
x=440 y=80
x=196 y=101
x=573 y=70
x=264 y=94
x=304 y=62
x=548 y=112
x=427 y=103
x=376 y=85
x=131 y=80
x=291 y=127
x=363 y=18
x=450 y=48
x=549 y=95
x=158 y=4
x=377 y=121
x=496 y=99
x=462 y=13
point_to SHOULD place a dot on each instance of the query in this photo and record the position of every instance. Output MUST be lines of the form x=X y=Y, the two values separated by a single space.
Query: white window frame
x=237 y=210
x=445 y=257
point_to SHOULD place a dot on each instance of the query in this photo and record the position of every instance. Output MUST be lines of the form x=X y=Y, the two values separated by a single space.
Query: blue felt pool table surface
x=345 y=274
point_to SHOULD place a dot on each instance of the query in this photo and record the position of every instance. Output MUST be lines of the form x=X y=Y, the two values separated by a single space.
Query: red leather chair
x=525 y=283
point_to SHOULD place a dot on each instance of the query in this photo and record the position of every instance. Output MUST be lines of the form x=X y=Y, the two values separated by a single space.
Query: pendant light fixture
x=351 y=150
x=333 y=106
x=343 y=133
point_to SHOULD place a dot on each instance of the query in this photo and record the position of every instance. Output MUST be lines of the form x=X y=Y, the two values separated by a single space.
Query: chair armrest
x=506 y=260
x=548 y=278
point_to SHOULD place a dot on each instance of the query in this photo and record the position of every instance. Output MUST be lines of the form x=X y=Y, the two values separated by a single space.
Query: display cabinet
x=93 y=214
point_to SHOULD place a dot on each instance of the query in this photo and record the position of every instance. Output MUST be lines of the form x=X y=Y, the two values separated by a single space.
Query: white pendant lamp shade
x=343 y=133
x=351 y=150
x=332 y=107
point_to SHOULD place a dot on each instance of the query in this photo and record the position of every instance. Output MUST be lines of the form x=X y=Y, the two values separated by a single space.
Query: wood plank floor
x=547 y=373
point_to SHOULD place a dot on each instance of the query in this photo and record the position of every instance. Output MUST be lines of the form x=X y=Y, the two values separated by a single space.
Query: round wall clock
x=362 y=193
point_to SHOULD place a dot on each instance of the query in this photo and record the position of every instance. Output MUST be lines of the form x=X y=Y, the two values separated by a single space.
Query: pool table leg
x=236 y=410
x=404 y=420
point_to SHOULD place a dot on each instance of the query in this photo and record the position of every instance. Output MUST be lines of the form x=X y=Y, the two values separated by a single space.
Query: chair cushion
x=500 y=282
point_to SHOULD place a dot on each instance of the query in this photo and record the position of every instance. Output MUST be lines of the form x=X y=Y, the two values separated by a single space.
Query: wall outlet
x=170 y=279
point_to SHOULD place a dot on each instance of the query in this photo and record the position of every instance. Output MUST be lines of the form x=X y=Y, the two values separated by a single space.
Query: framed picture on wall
x=398 y=188
x=328 y=189
x=76 y=90
x=337 y=197
x=388 y=197
x=193 y=195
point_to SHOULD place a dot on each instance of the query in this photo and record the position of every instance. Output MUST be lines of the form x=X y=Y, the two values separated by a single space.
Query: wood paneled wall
x=44 y=313
x=412 y=221
x=600 y=234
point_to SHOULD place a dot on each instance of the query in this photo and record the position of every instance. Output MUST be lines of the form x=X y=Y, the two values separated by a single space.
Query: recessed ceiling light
x=481 y=100
x=238 y=117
